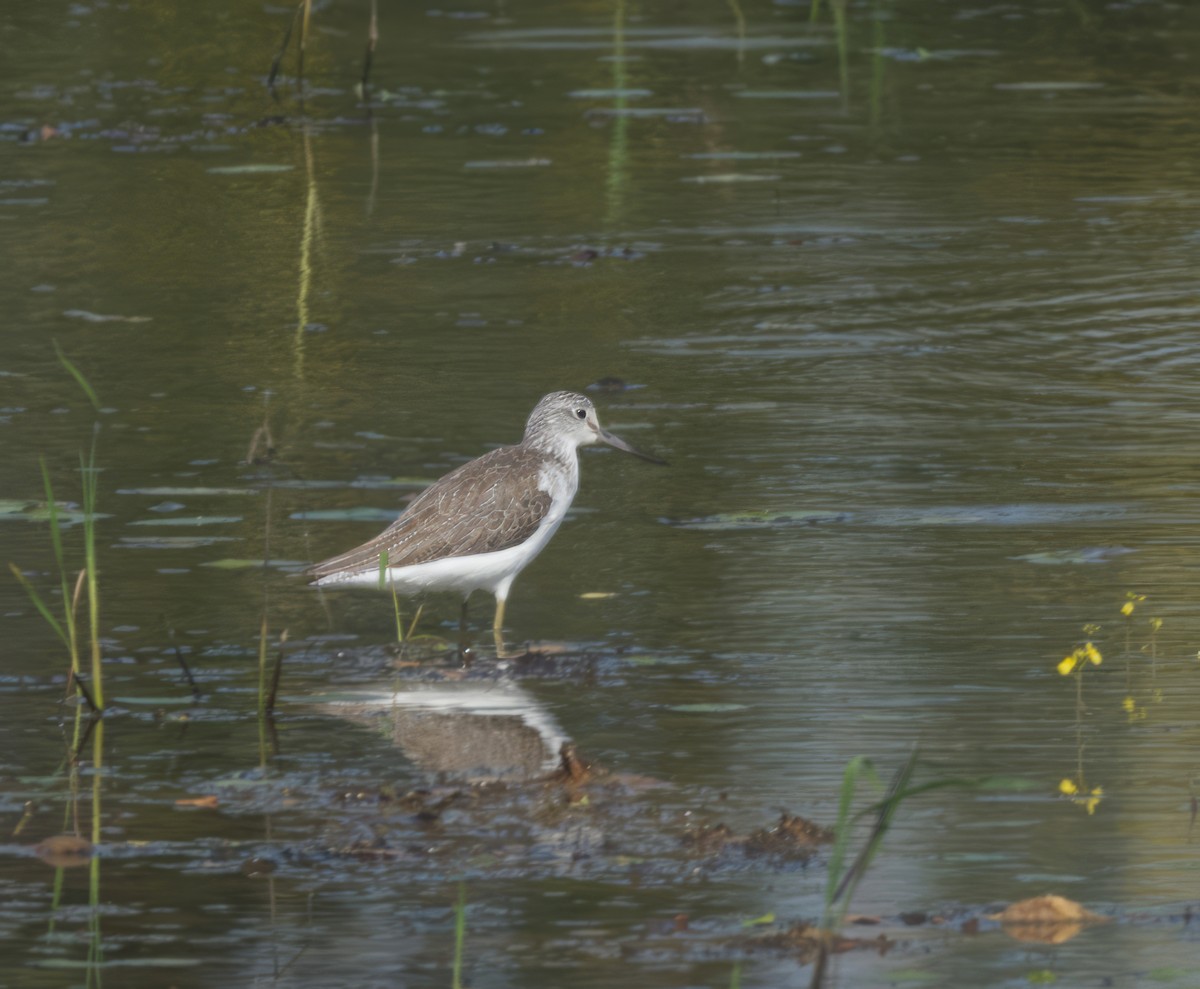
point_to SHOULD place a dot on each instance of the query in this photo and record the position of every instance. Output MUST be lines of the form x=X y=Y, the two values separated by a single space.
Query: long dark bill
x=620 y=444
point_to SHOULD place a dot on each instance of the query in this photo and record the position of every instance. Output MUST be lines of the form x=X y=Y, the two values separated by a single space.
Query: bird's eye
x=581 y=413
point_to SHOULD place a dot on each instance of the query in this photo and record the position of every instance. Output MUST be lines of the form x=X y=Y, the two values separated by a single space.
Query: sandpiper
x=479 y=526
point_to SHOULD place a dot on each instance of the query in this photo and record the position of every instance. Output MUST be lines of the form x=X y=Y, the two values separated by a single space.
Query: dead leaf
x=208 y=803
x=1048 y=919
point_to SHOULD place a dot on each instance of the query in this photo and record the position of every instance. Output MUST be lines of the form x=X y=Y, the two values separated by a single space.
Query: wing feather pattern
x=489 y=504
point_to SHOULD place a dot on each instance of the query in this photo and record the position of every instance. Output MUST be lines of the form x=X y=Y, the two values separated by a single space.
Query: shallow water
x=922 y=358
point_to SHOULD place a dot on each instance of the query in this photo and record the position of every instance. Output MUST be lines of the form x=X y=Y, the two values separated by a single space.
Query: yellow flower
x=1094 y=800
x=1067 y=665
x=1129 y=705
x=1068 y=787
x=1155 y=624
x=1093 y=654
x=1127 y=609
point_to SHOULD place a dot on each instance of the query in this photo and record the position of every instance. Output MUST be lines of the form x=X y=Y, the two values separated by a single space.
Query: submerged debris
x=64 y=851
x=792 y=838
x=805 y=941
x=711 y=839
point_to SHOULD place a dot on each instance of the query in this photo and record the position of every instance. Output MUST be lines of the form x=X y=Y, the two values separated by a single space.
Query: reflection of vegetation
x=740 y=18
x=312 y=224
x=460 y=934
x=262 y=451
x=878 y=65
x=369 y=57
x=618 y=138
x=95 y=940
x=1086 y=657
x=303 y=14
x=1132 y=600
x=841 y=29
x=1082 y=658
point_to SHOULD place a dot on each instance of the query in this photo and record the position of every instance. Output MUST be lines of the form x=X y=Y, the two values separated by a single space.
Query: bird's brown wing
x=484 y=506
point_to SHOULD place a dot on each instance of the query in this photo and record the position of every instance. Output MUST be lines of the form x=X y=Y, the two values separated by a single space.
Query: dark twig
x=369 y=57
x=277 y=672
x=287 y=37
x=87 y=697
x=83 y=740
x=183 y=665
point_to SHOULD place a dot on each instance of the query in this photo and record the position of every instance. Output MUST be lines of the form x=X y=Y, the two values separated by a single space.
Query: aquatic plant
x=1074 y=664
x=1088 y=799
x=86 y=583
x=303 y=17
x=386 y=584
x=86 y=579
x=842 y=878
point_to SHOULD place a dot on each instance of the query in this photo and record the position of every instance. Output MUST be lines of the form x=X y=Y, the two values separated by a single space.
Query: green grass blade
x=396 y=611
x=41 y=606
x=412 y=626
x=55 y=531
x=460 y=935
x=844 y=891
x=89 y=552
x=262 y=664
x=56 y=543
x=78 y=376
x=856 y=768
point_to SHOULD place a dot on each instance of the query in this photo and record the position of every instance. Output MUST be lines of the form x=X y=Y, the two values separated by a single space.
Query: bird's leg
x=464 y=643
x=498 y=628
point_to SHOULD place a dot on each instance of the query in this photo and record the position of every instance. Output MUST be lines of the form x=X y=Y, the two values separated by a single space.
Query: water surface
x=921 y=352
